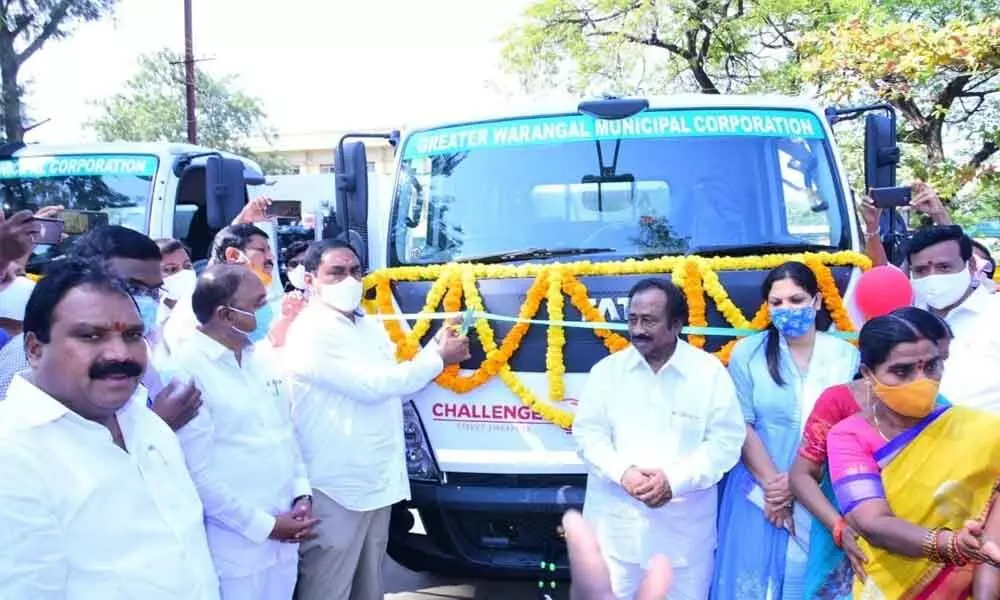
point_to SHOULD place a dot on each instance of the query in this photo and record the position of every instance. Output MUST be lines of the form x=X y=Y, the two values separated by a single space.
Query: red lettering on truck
x=484 y=413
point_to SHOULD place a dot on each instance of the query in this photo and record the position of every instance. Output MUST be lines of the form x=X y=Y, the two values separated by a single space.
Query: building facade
x=313 y=153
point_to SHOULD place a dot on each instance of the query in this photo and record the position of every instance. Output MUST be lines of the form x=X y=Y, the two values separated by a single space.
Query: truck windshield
x=662 y=182
x=94 y=189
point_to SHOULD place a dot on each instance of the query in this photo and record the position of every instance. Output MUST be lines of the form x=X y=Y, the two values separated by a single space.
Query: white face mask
x=344 y=295
x=14 y=298
x=942 y=291
x=181 y=284
x=297 y=277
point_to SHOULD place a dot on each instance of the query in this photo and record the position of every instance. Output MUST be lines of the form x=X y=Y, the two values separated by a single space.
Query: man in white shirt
x=658 y=424
x=942 y=272
x=347 y=392
x=241 y=448
x=135 y=259
x=242 y=244
x=95 y=498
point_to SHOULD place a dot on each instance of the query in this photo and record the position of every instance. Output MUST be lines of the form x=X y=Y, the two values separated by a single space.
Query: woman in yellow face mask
x=915 y=476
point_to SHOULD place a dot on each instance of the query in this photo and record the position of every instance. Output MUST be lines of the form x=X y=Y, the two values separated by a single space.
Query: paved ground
x=402 y=584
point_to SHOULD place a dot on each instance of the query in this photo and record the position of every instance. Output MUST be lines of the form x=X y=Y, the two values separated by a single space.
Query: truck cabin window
x=93 y=189
x=617 y=189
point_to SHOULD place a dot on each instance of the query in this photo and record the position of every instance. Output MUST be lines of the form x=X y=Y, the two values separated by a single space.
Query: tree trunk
x=933 y=138
x=10 y=91
x=702 y=77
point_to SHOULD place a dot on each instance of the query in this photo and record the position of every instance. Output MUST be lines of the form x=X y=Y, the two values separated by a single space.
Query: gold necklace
x=874 y=406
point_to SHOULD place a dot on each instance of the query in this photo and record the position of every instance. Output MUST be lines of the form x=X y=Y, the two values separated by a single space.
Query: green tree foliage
x=942 y=78
x=151 y=108
x=935 y=61
x=26 y=26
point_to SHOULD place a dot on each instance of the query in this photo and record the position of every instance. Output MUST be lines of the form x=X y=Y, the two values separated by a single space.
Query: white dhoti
x=274 y=583
x=691 y=582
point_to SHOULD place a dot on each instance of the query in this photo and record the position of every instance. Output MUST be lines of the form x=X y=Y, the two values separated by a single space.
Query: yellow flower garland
x=696 y=276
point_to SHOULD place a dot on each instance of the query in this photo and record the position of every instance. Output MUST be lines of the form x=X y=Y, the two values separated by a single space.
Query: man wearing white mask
x=942 y=272
x=179 y=278
x=295 y=271
x=346 y=392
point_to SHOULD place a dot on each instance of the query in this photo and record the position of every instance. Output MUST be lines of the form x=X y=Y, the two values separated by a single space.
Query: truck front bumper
x=481 y=525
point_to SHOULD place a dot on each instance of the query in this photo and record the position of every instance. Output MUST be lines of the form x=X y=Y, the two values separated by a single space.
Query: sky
x=316 y=65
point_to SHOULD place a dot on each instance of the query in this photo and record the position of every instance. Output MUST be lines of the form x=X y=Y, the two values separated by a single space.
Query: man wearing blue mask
x=241 y=448
x=135 y=258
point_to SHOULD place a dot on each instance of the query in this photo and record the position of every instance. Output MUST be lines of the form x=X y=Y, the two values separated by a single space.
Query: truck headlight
x=419 y=459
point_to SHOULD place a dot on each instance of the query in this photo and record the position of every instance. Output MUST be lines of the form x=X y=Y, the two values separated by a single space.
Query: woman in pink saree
x=916 y=477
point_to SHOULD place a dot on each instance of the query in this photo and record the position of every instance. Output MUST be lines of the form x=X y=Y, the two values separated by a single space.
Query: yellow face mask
x=915 y=399
x=264 y=276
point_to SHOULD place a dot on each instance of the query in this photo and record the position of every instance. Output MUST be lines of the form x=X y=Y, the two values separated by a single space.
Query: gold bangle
x=929 y=546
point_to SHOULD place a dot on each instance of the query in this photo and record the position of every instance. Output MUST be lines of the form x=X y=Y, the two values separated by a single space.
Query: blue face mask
x=794 y=322
x=149 y=309
x=263 y=316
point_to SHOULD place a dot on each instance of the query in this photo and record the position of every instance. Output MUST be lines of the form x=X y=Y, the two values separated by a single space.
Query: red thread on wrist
x=838 y=532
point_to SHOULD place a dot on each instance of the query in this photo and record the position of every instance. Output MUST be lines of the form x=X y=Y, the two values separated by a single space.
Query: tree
x=152 y=108
x=936 y=61
x=25 y=26
x=941 y=77
x=644 y=46
x=710 y=46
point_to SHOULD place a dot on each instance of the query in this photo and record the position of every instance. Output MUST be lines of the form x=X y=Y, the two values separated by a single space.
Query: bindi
x=119 y=327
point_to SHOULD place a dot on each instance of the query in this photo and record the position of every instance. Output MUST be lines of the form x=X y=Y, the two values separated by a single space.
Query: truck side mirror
x=225 y=190
x=351 y=171
x=881 y=151
x=881 y=159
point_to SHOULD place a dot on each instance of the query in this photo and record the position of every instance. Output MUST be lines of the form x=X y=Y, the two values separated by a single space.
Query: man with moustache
x=134 y=258
x=658 y=424
x=95 y=498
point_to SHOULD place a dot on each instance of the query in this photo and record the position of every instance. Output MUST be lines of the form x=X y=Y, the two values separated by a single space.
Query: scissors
x=467 y=322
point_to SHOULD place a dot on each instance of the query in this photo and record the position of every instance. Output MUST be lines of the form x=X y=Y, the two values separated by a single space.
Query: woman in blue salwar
x=779 y=373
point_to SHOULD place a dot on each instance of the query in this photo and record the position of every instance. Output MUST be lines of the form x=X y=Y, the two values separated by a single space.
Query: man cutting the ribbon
x=347 y=391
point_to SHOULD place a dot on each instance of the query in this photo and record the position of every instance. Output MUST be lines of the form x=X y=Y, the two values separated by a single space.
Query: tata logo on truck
x=613 y=309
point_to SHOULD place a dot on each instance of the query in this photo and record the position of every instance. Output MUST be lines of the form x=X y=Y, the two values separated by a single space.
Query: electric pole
x=189 y=76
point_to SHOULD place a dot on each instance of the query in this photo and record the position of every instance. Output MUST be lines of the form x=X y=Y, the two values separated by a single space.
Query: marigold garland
x=455 y=285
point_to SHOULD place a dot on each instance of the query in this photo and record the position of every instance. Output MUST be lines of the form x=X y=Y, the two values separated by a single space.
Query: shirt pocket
x=688 y=427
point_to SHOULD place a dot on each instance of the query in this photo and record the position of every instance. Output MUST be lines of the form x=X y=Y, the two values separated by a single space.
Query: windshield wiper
x=769 y=247
x=530 y=253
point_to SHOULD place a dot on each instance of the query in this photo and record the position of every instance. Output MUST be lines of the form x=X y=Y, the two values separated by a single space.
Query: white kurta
x=685 y=420
x=971 y=374
x=347 y=390
x=245 y=462
x=81 y=519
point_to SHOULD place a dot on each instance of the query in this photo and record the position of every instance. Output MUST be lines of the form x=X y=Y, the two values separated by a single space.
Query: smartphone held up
x=50 y=231
x=891 y=197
